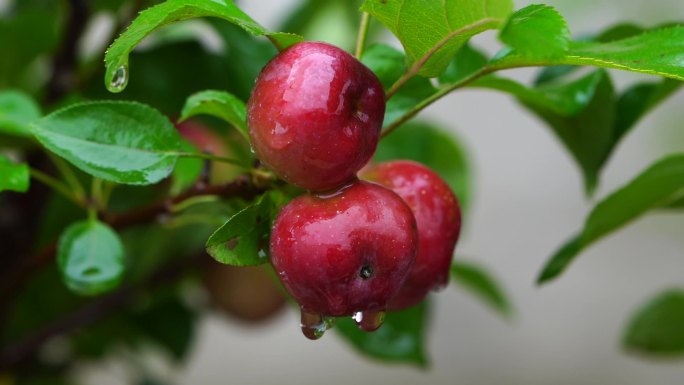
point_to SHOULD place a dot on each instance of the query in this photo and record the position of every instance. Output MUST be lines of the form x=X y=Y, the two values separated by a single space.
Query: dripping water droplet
x=314 y=325
x=441 y=283
x=369 y=321
x=119 y=80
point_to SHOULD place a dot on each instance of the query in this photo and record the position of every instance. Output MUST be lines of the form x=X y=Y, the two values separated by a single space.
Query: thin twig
x=415 y=68
x=241 y=187
x=363 y=33
x=433 y=98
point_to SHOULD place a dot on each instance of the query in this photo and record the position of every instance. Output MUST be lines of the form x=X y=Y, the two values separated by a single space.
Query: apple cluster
x=348 y=247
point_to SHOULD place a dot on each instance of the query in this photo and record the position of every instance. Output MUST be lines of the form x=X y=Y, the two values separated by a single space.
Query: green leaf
x=660 y=184
x=17 y=110
x=171 y=11
x=219 y=104
x=90 y=256
x=123 y=142
x=537 y=31
x=638 y=100
x=656 y=328
x=243 y=240
x=467 y=61
x=187 y=170
x=169 y=323
x=400 y=339
x=433 y=31
x=13 y=177
x=581 y=113
x=479 y=282
x=434 y=147
x=389 y=64
x=656 y=52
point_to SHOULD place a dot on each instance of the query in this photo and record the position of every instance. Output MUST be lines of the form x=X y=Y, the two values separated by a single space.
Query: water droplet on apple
x=119 y=79
x=314 y=325
x=369 y=321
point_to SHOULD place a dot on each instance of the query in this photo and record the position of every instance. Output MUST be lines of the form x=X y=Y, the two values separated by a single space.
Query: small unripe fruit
x=315 y=115
x=246 y=293
x=438 y=217
x=346 y=253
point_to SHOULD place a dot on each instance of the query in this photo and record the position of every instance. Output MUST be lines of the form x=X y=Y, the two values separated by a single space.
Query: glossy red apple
x=347 y=253
x=315 y=115
x=438 y=217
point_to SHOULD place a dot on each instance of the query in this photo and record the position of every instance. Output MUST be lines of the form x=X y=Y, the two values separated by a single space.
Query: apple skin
x=347 y=252
x=438 y=217
x=315 y=115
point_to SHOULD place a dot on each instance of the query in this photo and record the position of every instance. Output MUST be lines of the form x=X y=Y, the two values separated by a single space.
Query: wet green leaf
x=219 y=104
x=481 y=284
x=17 y=110
x=434 y=30
x=658 y=185
x=123 y=142
x=171 y=11
x=90 y=256
x=656 y=328
x=13 y=176
x=243 y=240
x=400 y=339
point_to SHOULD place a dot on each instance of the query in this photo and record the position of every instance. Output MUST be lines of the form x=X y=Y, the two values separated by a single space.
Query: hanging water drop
x=369 y=321
x=441 y=283
x=119 y=79
x=314 y=325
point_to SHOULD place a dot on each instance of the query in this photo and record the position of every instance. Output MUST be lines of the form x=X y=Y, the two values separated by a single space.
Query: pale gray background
x=528 y=200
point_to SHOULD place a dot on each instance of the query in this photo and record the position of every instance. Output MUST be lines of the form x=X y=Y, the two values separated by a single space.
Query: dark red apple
x=315 y=115
x=438 y=217
x=346 y=253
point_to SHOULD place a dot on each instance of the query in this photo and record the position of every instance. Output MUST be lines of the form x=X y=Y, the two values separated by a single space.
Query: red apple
x=438 y=217
x=346 y=253
x=315 y=115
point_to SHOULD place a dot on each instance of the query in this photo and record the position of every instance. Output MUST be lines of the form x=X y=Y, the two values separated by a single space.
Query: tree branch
x=241 y=187
x=92 y=312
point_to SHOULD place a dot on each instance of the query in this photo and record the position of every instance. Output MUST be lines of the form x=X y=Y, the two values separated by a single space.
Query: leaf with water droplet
x=90 y=256
x=400 y=339
x=171 y=11
x=243 y=239
x=122 y=142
